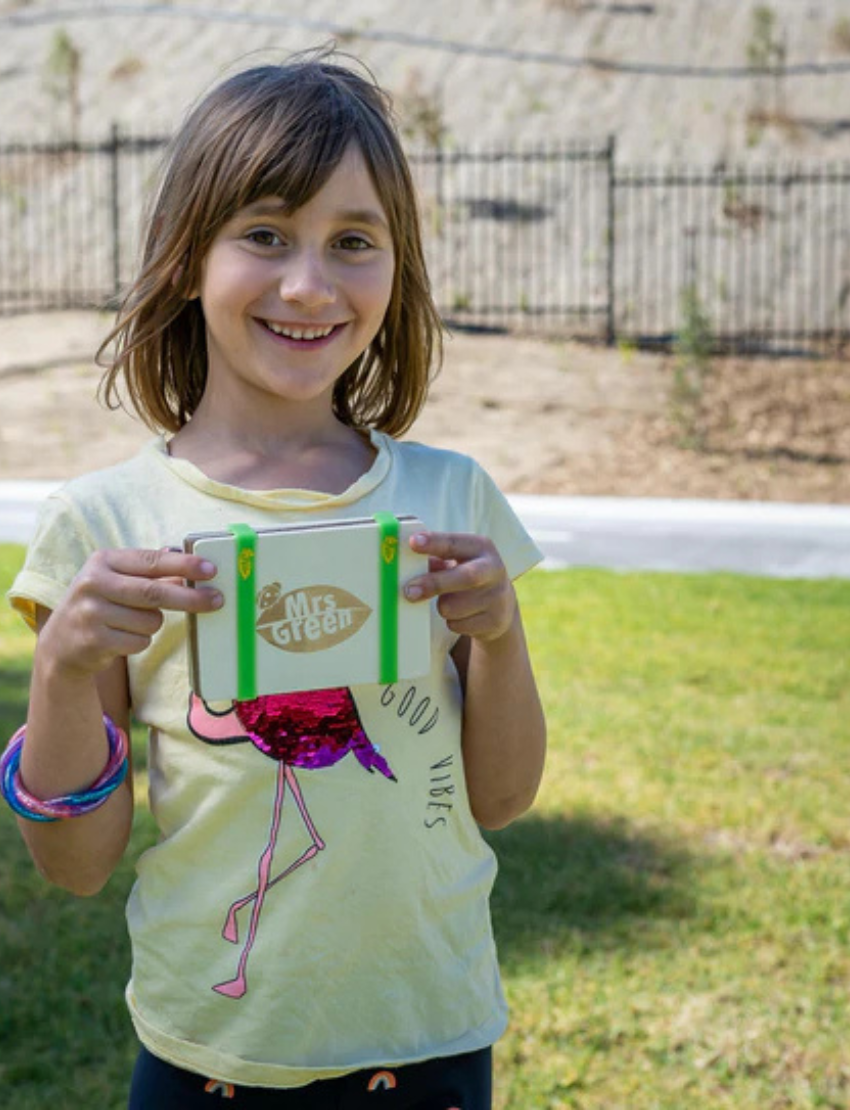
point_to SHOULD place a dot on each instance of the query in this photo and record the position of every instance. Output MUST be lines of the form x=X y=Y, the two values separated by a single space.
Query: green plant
x=62 y=76
x=11 y=194
x=765 y=47
x=767 y=54
x=693 y=348
x=627 y=348
x=421 y=112
x=755 y=130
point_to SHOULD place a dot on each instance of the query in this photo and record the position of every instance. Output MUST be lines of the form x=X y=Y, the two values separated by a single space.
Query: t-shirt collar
x=279 y=499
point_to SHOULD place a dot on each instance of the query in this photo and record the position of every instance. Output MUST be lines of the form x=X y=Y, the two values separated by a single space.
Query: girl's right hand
x=115 y=605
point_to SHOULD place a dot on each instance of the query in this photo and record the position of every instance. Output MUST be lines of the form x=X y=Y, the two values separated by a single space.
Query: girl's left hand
x=466 y=573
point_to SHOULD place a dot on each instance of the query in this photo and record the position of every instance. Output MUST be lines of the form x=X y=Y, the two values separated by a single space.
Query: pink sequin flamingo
x=315 y=728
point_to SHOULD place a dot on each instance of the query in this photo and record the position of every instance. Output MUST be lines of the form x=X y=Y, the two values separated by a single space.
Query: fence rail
x=559 y=240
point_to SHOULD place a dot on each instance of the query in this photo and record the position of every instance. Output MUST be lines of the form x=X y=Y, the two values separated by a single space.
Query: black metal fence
x=69 y=219
x=559 y=240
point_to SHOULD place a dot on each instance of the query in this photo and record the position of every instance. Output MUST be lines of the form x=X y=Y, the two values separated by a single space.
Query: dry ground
x=543 y=417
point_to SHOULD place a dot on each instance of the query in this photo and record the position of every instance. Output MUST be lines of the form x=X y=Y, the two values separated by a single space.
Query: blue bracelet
x=67 y=805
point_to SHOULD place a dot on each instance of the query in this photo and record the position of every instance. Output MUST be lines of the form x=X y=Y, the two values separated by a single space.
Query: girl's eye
x=263 y=237
x=354 y=243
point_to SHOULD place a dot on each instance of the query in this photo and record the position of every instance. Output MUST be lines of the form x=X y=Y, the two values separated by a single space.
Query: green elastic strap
x=246 y=636
x=388 y=566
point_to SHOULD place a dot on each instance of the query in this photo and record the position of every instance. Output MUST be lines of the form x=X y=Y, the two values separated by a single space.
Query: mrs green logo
x=312 y=618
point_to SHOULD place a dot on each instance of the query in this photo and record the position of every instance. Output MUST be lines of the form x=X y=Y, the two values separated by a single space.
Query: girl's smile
x=301 y=337
x=291 y=300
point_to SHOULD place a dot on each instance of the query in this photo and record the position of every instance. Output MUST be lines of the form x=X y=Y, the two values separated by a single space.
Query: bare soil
x=542 y=417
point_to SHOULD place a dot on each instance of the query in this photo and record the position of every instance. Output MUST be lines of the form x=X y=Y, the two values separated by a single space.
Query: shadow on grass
x=65 y=1036
x=585 y=881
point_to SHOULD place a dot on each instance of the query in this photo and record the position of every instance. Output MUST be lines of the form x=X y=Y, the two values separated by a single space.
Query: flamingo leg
x=230 y=931
x=236 y=987
x=305 y=816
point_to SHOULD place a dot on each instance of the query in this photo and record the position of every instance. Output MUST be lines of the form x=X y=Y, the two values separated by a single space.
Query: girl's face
x=290 y=301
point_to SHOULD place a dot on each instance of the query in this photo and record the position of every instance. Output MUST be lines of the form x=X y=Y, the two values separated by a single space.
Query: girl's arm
x=64 y=751
x=504 y=731
x=112 y=609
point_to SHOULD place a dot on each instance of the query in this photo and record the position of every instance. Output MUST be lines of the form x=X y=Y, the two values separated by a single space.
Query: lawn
x=673 y=918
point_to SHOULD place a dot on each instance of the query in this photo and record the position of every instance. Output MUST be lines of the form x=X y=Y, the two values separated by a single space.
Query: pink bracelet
x=67 y=805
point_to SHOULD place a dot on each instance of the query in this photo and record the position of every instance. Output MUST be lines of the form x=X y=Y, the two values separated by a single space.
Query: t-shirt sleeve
x=496 y=519
x=61 y=545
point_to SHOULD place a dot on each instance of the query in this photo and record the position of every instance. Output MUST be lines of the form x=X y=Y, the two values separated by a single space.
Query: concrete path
x=775 y=540
x=746 y=537
x=18 y=507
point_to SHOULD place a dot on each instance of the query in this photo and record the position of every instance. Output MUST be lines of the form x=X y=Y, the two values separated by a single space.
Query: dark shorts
x=449 y=1083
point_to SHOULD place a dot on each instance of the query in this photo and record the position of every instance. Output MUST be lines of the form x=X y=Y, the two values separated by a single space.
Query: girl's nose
x=305 y=281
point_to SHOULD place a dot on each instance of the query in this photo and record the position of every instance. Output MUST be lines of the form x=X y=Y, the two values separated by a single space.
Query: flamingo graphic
x=313 y=729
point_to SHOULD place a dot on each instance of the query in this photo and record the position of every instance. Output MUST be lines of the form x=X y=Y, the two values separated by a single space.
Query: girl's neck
x=328 y=457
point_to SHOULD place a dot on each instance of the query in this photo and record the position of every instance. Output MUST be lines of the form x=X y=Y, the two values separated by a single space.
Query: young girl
x=335 y=950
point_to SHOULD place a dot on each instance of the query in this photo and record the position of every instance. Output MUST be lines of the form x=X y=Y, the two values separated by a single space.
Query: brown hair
x=272 y=130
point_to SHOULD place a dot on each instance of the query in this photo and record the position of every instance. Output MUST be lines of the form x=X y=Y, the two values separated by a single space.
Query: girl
x=335 y=952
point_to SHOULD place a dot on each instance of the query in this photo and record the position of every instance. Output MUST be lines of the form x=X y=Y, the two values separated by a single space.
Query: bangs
x=293 y=158
x=287 y=146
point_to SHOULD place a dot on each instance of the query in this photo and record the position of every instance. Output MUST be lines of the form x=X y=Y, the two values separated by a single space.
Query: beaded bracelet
x=67 y=805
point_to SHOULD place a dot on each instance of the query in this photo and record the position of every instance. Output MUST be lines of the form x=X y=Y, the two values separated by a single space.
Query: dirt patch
x=542 y=417
x=772 y=431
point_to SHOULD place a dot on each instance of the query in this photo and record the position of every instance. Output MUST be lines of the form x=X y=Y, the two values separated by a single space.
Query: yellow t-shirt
x=371 y=941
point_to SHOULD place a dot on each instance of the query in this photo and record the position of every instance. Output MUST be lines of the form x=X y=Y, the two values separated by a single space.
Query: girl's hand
x=115 y=606
x=466 y=572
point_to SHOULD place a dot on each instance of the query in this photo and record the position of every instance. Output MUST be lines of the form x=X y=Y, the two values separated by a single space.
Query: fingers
x=116 y=605
x=142 y=579
x=458 y=562
x=467 y=574
x=450 y=546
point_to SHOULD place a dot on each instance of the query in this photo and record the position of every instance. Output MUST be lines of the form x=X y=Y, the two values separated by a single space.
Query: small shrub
x=627 y=348
x=421 y=112
x=693 y=348
x=765 y=50
x=766 y=54
x=62 y=76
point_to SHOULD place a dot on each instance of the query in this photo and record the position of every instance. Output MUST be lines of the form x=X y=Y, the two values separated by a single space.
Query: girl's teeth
x=295 y=333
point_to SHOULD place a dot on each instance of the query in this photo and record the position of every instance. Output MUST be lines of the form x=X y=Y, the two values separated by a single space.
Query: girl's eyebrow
x=363 y=216
x=369 y=216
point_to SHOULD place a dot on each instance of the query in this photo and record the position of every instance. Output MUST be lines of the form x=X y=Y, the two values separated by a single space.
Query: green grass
x=673 y=918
